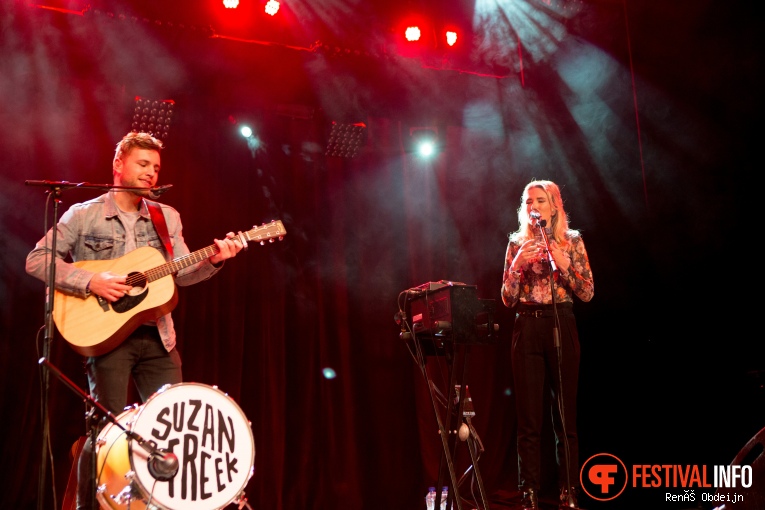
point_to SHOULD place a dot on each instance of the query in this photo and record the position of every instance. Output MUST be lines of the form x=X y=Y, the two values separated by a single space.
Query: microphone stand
x=154 y=192
x=54 y=189
x=541 y=224
x=163 y=465
x=55 y=192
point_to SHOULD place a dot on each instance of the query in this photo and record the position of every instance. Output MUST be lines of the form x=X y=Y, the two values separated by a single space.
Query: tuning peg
x=262 y=243
x=271 y=240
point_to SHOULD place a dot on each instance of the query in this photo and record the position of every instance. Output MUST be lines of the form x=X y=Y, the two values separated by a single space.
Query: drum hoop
x=128 y=415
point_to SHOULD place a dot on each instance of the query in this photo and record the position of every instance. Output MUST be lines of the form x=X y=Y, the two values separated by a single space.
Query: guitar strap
x=155 y=210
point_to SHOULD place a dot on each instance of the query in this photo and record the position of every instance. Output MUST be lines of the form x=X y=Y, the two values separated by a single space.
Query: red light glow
x=272 y=7
x=413 y=33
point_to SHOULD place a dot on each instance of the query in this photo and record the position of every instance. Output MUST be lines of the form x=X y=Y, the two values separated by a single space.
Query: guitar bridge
x=103 y=302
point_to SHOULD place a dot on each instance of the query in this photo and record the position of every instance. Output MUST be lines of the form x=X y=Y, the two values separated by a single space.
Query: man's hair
x=135 y=140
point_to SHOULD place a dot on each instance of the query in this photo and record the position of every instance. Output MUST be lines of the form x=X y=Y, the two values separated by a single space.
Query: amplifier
x=451 y=312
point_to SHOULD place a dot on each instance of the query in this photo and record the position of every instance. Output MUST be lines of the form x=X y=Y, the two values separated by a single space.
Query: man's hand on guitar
x=228 y=247
x=108 y=285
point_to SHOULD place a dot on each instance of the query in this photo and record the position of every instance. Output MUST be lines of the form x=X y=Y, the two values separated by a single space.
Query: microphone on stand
x=156 y=191
x=534 y=214
x=163 y=465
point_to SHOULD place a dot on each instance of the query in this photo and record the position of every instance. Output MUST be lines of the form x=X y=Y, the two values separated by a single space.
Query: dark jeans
x=535 y=362
x=142 y=356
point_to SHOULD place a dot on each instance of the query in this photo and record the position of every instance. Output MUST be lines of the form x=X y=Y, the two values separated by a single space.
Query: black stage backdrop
x=645 y=114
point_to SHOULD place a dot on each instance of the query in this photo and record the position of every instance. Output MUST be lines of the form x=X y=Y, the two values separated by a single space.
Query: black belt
x=539 y=311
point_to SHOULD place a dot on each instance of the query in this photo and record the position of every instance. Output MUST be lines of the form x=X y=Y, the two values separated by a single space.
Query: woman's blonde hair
x=558 y=221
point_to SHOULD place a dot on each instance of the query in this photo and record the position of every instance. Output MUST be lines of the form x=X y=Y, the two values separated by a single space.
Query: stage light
x=254 y=143
x=152 y=116
x=230 y=4
x=272 y=7
x=426 y=148
x=424 y=141
x=451 y=38
x=413 y=33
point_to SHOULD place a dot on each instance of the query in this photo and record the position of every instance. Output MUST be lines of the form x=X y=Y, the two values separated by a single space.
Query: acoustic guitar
x=94 y=326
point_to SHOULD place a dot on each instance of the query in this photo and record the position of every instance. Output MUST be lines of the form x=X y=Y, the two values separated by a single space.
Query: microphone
x=156 y=191
x=163 y=465
x=534 y=215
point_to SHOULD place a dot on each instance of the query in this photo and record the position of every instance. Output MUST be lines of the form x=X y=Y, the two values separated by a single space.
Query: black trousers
x=142 y=357
x=535 y=367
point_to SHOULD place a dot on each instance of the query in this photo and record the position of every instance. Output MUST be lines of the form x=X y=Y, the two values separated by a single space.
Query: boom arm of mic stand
x=61 y=185
x=149 y=446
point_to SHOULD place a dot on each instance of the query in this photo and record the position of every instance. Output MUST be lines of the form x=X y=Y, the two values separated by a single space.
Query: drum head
x=212 y=439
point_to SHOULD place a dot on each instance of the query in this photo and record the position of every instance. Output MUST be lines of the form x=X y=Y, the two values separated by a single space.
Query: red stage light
x=230 y=4
x=413 y=33
x=272 y=7
x=451 y=37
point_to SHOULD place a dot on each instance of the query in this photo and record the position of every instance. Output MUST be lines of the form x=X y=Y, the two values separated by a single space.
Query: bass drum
x=203 y=427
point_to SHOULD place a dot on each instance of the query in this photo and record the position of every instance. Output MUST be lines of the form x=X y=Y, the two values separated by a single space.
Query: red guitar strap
x=158 y=219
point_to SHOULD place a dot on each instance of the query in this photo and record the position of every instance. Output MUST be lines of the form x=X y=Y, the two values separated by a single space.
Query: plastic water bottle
x=430 y=499
x=444 y=496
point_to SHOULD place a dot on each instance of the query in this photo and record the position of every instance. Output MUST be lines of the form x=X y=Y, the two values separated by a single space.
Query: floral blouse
x=532 y=283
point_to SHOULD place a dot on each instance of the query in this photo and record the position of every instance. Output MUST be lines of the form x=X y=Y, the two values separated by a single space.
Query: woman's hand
x=529 y=252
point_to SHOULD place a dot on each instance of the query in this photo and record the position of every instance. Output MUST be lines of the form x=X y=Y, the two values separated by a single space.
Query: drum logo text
x=204 y=440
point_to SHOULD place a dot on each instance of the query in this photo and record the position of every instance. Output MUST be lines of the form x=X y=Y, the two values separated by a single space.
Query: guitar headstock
x=266 y=232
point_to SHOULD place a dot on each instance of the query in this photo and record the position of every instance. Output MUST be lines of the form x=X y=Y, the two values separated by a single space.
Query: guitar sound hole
x=137 y=281
x=134 y=297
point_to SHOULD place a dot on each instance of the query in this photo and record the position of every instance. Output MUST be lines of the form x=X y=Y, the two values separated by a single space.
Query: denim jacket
x=92 y=230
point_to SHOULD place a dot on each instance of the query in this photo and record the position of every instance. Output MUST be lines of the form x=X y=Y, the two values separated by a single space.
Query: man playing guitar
x=109 y=227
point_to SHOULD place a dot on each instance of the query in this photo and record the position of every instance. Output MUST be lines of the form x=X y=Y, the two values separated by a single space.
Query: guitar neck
x=179 y=263
x=266 y=232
